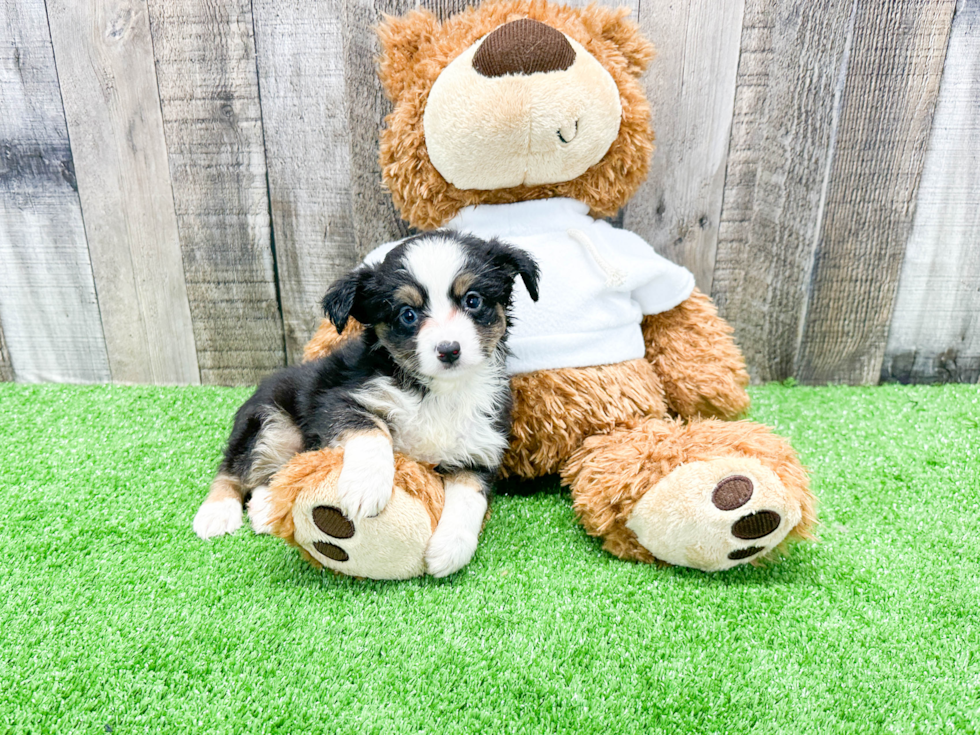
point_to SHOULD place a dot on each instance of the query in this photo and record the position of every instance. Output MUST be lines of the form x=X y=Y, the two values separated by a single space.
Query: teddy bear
x=525 y=120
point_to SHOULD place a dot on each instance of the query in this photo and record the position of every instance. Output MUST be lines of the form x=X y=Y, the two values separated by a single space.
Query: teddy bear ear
x=613 y=26
x=401 y=37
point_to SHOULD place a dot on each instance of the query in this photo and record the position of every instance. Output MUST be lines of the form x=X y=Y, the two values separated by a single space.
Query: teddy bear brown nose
x=523 y=46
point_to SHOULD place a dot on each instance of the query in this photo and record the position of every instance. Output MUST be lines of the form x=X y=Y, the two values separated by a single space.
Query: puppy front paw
x=367 y=476
x=260 y=509
x=449 y=550
x=218 y=517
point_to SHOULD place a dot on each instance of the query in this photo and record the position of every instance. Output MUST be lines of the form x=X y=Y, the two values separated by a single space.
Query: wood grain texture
x=299 y=46
x=376 y=220
x=205 y=65
x=935 y=328
x=691 y=88
x=48 y=305
x=105 y=64
x=790 y=78
x=886 y=113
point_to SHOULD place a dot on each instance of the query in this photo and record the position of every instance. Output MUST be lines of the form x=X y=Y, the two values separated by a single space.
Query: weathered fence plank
x=789 y=84
x=375 y=218
x=691 y=88
x=935 y=328
x=104 y=58
x=886 y=113
x=47 y=293
x=205 y=64
x=299 y=46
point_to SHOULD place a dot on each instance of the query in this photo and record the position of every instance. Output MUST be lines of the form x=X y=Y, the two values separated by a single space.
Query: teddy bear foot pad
x=390 y=545
x=335 y=524
x=707 y=514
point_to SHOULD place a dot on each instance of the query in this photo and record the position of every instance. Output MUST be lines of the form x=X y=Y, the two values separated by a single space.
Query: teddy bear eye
x=473 y=301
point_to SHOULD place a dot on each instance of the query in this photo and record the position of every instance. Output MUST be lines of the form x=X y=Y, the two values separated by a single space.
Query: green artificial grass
x=116 y=618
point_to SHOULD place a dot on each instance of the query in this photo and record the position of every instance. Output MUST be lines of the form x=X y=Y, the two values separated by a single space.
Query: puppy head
x=439 y=302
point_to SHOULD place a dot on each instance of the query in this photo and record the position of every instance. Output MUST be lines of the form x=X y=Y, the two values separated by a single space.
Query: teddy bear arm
x=692 y=350
x=327 y=338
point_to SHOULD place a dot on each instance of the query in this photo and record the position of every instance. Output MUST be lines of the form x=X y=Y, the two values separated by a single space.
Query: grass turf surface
x=116 y=618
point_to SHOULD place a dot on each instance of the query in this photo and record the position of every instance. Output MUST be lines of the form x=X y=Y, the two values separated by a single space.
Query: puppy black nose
x=448 y=352
x=523 y=46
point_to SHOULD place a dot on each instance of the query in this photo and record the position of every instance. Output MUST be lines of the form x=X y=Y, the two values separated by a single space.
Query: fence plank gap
x=205 y=62
x=299 y=46
x=886 y=113
x=791 y=62
x=104 y=57
x=935 y=328
x=691 y=88
x=48 y=305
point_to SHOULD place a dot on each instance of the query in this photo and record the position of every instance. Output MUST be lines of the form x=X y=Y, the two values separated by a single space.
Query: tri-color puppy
x=426 y=377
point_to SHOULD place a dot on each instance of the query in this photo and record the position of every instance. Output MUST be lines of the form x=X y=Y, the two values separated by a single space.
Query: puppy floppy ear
x=343 y=300
x=517 y=262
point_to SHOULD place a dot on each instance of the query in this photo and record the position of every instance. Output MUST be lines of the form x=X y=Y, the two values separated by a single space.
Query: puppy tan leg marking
x=454 y=540
x=278 y=441
x=221 y=511
x=366 y=479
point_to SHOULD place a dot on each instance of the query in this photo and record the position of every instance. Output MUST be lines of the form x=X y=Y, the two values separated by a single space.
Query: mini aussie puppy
x=426 y=377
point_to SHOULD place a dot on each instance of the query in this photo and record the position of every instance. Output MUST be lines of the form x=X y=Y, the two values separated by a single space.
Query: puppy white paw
x=259 y=509
x=449 y=551
x=368 y=474
x=218 y=517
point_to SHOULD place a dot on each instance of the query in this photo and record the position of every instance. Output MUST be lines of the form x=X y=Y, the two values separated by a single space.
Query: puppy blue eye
x=408 y=315
x=473 y=301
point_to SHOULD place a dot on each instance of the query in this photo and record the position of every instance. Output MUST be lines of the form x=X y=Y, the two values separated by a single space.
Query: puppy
x=426 y=377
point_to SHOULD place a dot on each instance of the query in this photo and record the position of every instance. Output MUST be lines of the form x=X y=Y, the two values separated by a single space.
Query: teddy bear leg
x=302 y=509
x=706 y=494
x=693 y=353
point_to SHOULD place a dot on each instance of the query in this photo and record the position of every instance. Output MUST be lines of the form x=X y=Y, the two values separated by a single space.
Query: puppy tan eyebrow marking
x=462 y=284
x=410 y=295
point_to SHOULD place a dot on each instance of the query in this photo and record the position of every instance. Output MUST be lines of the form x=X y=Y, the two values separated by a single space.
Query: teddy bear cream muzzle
x=526 y=113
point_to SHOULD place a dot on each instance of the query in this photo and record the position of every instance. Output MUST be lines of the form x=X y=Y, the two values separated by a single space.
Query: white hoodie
x=596 y=283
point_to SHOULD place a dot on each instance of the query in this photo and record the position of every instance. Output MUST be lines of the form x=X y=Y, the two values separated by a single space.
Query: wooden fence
x=181 y=179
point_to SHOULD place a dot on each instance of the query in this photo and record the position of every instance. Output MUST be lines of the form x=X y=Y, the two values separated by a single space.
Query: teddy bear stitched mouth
x=567 y=136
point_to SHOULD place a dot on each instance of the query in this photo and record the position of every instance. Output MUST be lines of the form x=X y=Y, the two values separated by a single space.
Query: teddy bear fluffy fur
x=614 y=433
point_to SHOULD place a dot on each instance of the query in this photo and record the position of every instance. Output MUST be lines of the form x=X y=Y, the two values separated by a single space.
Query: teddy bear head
x=510 y=101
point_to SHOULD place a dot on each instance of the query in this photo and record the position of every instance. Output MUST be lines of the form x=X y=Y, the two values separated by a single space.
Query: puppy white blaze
x=455 y=538
x=434 y=263
x=367 y=476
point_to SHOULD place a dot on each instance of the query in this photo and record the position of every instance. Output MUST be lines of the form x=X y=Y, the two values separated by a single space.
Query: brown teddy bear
x=525 y=120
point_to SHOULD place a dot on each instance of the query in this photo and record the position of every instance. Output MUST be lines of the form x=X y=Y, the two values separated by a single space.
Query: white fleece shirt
x=597 y=282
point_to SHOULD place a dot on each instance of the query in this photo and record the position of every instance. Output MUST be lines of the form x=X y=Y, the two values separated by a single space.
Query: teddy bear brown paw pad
x=336 y=525
x=390 y=545
x=305 y=510
x=705 y=514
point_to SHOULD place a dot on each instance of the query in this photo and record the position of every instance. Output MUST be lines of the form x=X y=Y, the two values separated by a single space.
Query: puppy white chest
x=454 y=427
